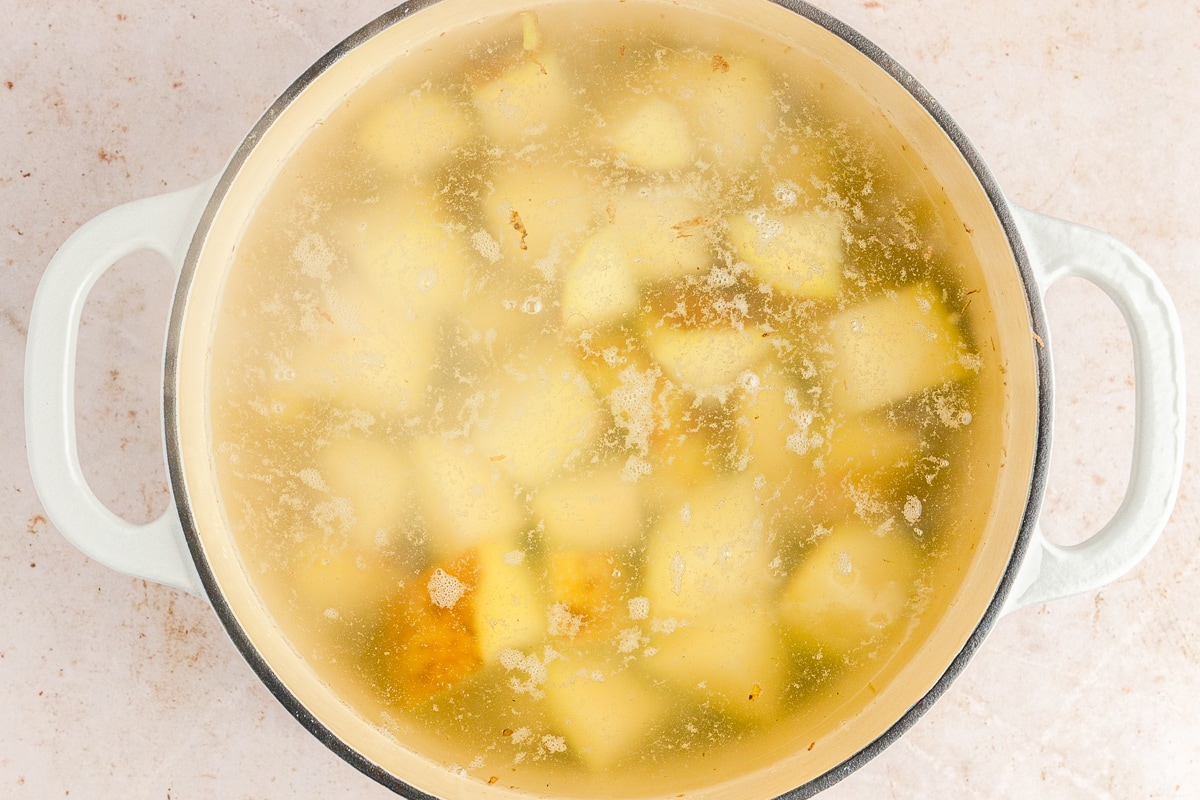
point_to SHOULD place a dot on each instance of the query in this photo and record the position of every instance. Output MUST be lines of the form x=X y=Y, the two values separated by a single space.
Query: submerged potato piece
x=586 y=589
x=414 y=133
x=527 y=100
x=373 y=478
x=797 y=254
x=705 y=358
x=546 y=417
x=734 y=652
x=535 y=210
x=599 y=287
x=849 y=587
x=654 y=136
x=866 y=444
x=508 y=611
x=466 y=498
x=605 y=716
x=428 y=639
x=893 y=347
x=729 y=102
x=708 y=552
x=663 y=232
x=600 y=511
x=403 y=251
x=338 y=584
x=777 y=431
x=364 y=356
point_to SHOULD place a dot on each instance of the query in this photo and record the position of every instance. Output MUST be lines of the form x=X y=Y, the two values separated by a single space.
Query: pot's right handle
x=1057 y=250
x=156 y=550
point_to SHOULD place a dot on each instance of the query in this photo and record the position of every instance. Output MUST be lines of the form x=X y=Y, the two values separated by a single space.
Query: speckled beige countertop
x=113 y=688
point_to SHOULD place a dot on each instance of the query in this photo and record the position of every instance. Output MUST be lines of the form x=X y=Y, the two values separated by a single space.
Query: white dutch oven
x=1023 y=252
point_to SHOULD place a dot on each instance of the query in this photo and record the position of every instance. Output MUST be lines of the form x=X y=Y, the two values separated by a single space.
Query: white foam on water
x=444 y=589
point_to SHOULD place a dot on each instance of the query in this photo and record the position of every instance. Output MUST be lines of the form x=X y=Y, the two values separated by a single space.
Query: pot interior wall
x=799 y=754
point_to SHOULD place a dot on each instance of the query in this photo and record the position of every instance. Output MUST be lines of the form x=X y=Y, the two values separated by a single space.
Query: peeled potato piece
x=708 y=552
x=605 y=716
x=734 y=652
x=849 y=587
x=535 y=210
x=372 y=477
x=428 y=637
x=413 y=133
x=466 y=497
x=797 y=254
x=654 y=136
x=343 y=583
x=705 y=358
x=508 y=612
x=893 y=347
x=663 y=232
x=546 y=417
x=403 y=251
x=778 y=431
x=527 y=100
x=599 y=511
x=599 y=286
x=364 y=356
x=586 y=588
x=729 y=103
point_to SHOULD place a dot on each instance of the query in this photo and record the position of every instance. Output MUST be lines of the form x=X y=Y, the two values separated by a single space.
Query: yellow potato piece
x=343 y=583
x=527 y=100
x=654 y=136
x=663 y=231
x=373 y=477
x=599 y=287
x=404 y=252
x=364 y=356
x=797 y=254
x=605 y=716
x=704 y=358
x=534 y=211
x=466 y=498
x=708 y=552
x=599 y=511
x=546 y=417
x=893 y=347
x=729 y=103
x=735 y=653
x=414 y=133
x=850 y=586
x=508 y=612
x=778 y=433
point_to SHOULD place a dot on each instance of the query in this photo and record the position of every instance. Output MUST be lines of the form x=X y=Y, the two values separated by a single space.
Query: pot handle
x=156 y=550
x=1059 y=249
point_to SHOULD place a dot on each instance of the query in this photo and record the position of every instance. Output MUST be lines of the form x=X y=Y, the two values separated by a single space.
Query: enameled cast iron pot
x=1023 y=253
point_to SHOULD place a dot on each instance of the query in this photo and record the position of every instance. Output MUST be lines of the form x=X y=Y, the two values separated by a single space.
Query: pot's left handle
x=156 y=550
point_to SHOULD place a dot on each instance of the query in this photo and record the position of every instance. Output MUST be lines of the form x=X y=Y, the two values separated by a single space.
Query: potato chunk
x=466 y=497
x=537 y=211
x=372 y=477
x=599 y=287
x=428 y=640
x=413 y=133
x=709 y=552
x=600 y=511
x=655 y=136
x=605 y=716
x=508 y=612
x=729 y=102
x=849 y=587
x=797 y=254
x=546 y=417
x=527 y=100
x=733 y=653
x=893 y=347
x=705 y=358
x=404 y=252
x=663 y=231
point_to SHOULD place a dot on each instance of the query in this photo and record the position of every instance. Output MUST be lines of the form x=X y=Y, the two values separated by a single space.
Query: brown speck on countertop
x=8 y=85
